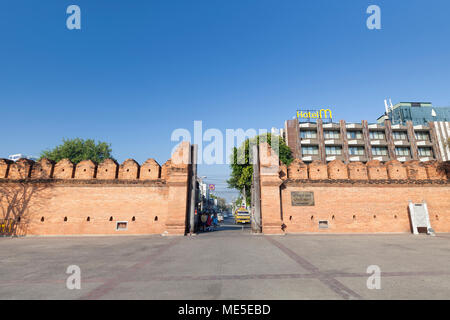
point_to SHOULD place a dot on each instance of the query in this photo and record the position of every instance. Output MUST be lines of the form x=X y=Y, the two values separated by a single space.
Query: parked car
x=220 y=217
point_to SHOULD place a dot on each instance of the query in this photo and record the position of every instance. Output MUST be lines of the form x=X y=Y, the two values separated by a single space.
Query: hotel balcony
x=380 y=142
x=361 y=158
x=331 y=126
x=335 y=157
x=424 y=143
x=333 y=142
x=404 y=158
x=402 y=142
x=399 y=127
x=353 y=126
x=376 y=126
x=307 y=125
x=383 y=158
x=356 y=142
x=310 y=157
x=306 y=141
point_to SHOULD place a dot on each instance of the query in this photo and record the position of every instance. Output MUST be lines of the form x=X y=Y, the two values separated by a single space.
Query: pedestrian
x=209 y=223
x=215 y=221
x=203 y=220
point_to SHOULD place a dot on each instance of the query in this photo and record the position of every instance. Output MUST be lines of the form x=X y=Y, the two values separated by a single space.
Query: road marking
x=325 y=278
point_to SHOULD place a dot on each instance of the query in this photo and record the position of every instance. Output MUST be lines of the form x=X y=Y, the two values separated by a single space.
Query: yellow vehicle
x=241 y=216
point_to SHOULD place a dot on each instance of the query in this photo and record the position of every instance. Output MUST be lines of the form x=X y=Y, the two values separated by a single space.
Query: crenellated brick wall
x=353 y=198
x=89 y=199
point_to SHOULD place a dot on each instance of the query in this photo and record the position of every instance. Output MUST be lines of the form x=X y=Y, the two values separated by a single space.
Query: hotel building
x=349 y=142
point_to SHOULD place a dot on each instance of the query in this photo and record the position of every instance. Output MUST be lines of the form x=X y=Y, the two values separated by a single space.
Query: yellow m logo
x=325 y=112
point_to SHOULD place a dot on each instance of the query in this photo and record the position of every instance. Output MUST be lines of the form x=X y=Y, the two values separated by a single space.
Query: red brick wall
x=377 y=208
x=146 y=203
x=353 y=198
x=317 y=170
x=85 y=170
x=357 y=171
x=298 y=170
x=90 y=199
x=337 y=170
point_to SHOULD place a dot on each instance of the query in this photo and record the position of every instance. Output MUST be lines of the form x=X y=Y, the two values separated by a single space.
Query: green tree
x=242 y=169
x=77 y=150
x=221 y=202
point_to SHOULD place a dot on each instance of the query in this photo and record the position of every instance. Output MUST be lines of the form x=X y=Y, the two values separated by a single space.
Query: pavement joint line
x=325 y=278
x=274 y=276
x=128 y=273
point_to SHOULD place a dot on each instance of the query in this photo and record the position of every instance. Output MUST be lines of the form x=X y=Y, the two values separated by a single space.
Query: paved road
x=227 y=264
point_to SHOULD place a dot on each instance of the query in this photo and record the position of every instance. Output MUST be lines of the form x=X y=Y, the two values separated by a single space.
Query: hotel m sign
x=302 y=199
x=315 y=114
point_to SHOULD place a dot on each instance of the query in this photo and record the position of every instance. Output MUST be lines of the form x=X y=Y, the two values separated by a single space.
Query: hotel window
x=400 y=135
x=402 y=151
x=333 y=151
x=379 y=151
x=308 y=134
x=312 y=150
x=377 y=135
x=354 y=135
x=331 y=134
x=422 y=135
x=425 y=152
x=356 y=151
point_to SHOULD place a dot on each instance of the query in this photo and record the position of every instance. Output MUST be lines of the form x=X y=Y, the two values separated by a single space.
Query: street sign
x=212 y=187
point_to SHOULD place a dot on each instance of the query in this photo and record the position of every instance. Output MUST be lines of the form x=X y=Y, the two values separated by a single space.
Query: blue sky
x=137 y=70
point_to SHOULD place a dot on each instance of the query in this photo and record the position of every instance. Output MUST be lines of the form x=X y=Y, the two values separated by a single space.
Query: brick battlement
x=85 y=170
x=389 y=172
x=45 y=169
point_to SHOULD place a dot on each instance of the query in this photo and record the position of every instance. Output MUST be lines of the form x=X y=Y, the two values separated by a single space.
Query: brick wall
x=353 y=198
x=360 y=208
x=90 y=199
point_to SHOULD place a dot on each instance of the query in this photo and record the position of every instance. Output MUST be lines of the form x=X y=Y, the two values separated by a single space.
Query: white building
x=15 y=157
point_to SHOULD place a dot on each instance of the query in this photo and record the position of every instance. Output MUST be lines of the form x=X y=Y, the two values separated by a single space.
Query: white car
x=220 y=217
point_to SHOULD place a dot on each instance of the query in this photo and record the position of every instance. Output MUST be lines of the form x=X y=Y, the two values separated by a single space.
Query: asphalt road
x=227 y=264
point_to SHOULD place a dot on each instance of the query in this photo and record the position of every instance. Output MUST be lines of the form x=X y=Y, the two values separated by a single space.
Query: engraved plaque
x=302 y=199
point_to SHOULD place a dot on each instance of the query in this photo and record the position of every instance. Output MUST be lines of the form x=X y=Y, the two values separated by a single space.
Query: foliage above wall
x=77 y=150
x=242 y=169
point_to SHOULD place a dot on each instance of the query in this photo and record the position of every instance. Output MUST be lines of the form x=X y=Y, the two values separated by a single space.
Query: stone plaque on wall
x=302 y=198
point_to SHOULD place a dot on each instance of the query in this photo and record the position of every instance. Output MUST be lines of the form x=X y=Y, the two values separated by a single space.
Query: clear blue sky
x=140 y=69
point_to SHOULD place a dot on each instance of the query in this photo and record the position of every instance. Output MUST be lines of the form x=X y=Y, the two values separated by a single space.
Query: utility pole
x=194 y=149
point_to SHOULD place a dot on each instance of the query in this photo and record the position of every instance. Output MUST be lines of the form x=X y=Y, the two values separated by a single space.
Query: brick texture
x=64 y=169
x=337 y=170
x=79 y=202
x=350 y=208
x=317 y=170
x=298 y=170
x=129 y=170
x=86 y=169
x=42 y=169
x=107 y=170
x=353 y=198
x=376 y=170
x=357 y=171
